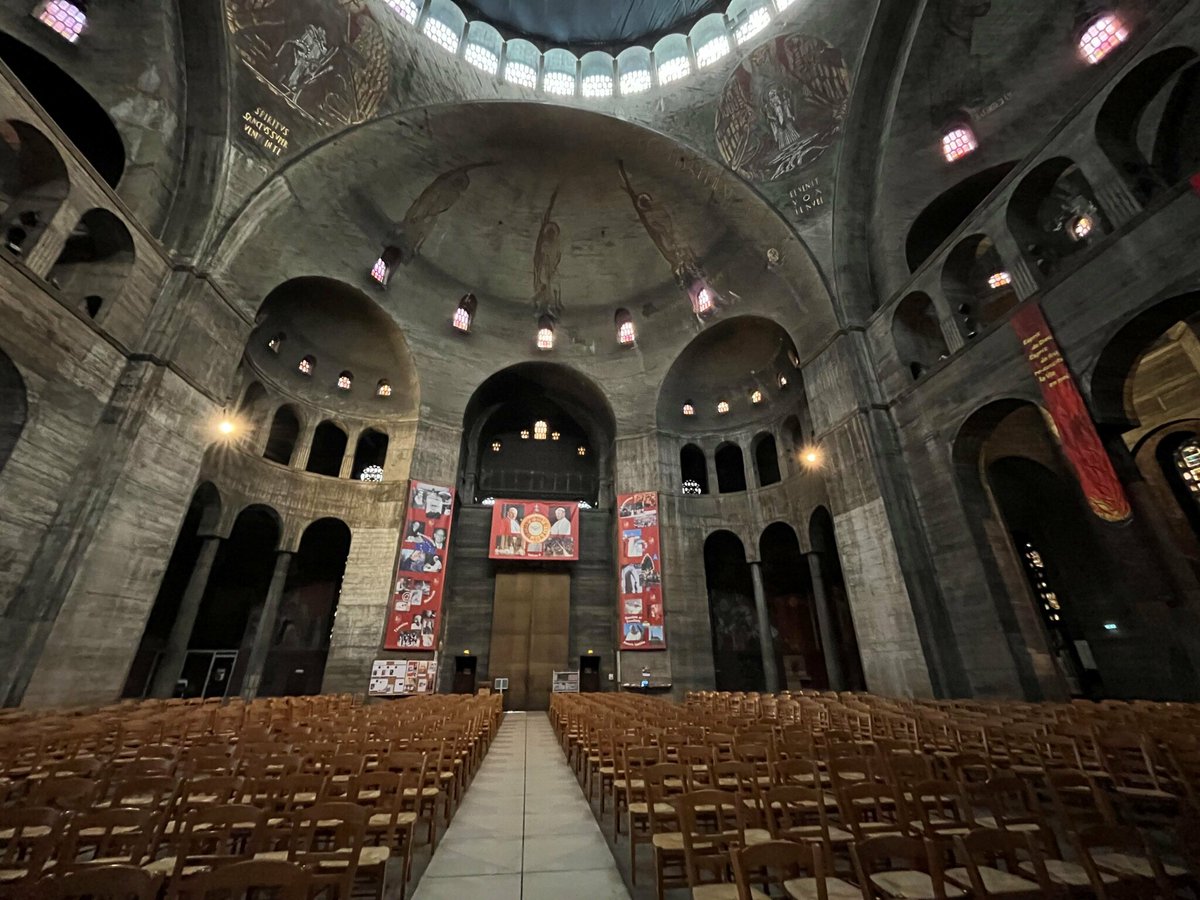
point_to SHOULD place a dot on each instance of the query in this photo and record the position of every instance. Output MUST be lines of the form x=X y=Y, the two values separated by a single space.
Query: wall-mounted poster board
x=403 y=676
x=535 y=529
x=639 y=564
x=415 y=611
x=565 y=682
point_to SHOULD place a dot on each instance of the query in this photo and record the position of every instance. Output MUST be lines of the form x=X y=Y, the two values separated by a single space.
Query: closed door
x=530 y=616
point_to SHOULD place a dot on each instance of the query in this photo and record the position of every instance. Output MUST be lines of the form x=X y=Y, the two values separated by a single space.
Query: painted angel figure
x=777 y=106
x=547 y=254
x=441 y=194
x=311 y=56
x=658 y=223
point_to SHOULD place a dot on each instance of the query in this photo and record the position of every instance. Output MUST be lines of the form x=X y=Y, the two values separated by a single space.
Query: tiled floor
x=524 y=829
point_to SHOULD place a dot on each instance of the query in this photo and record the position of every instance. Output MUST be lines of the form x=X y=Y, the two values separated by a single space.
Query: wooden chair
x=285 y=880
x=799 y=814
x=329 y=839
x=941 y=809
x=28 y=839
x=891 y=866
x=389 y=823
x=1122 y=852
x=712 y=824
x=629 y=786
x=797 y=870
x=665 y=783
x=210 y=837
x=107 y=837
x=989 y=866
x=1077 y=800
x=107 y=882
x=871 y=809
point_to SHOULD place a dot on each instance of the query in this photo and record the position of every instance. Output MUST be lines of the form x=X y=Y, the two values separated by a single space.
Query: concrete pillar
x=265 y=626
x=170 y=667
x=825 y=619
x=302 y=447
x=348 y=457
x=765 y=643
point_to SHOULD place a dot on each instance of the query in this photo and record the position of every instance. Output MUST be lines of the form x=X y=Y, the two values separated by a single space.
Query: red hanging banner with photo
x=534 y=529
x=639 y=564
x=1076 y=431
x=415 y=611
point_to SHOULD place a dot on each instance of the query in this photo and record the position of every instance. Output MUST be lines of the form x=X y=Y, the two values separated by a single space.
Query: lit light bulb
x=225 y=427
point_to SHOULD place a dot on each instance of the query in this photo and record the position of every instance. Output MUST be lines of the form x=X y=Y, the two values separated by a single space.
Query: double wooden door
x=531 y=617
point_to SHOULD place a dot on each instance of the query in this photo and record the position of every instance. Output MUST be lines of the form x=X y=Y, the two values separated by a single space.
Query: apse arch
x=502 y=453
x=941 y=218
x=737 y=655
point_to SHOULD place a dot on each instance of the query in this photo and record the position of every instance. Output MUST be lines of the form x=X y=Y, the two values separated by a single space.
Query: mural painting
x=782 y=108
x=327 y=61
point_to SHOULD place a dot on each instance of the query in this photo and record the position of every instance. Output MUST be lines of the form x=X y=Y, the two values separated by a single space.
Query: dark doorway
x=787 y=583
x=464 y=674
x=823 y=541
x=737 y=659
x=693 y=470
x=281 y=441
x=589 y=674
x=766 y=459
x=370 y=451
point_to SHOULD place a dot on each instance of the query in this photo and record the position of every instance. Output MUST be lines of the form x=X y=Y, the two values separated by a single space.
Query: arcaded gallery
x=596 y=449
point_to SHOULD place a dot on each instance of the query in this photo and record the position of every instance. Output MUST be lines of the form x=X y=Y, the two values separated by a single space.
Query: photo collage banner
x=534 y=529
x=639 y=560
x=415 y=611
x=403 y=676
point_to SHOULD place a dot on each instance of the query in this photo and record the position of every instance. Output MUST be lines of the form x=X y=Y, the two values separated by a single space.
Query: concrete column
x=265 y=626
x=170 y=667
x=348 y=457
x=302 y=448
x=825 y=619
x=765 y=643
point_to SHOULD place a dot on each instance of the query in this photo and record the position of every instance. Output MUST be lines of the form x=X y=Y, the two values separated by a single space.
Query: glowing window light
x=999 y=280
x=441 y=34
x=379 y=271
x=345 y=381
x=540 y=430
x=783 y=382
x=755 y=22
x=691 y=487
x=756 y=397
x=582 y=451
x=462 y=319
x=406 y=9
x=545 y=334
x=560 y=83
x=524 y=434
x=626 y=334
x=275 y=343
x=704 y=302
x=635 y=82
x=497 y=446
x=67 y=19
x=958 y=142
x=482 y=58
x=1187 y=461
x=722 y=407
x=555 y=435
x=688 y=409
x=583 y=504
x=1081 y=227
x=520 y=74
x=597 y=86
x=488 y=501
x=1101 y=37
x=383 y=389
x=306 y=365
x=371 y=473
x=674 y=69
x=712 y=51
x=781 y=5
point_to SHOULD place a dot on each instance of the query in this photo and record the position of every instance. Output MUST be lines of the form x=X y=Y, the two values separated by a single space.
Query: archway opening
x=1054 y=215
x=787 y=585
x=918 y=335
x=33 y=184
x=95 y=261
x=303 y=628
x=737 y=658
x=693 y=470
x=371 y=450
x=14 y=408
x=937 y=221
x=841 y=653
x=977 y=284
x=327 y=451
x=731 y=468
x=281 y=440
x=766 y=459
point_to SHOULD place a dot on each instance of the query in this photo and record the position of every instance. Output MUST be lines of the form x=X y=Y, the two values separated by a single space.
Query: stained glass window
x=1101 y=37
x=441 y=34
x=1187 y=460
x=307 y=365
x=345 y=380
x=482 y=58
x=383 y=389
x=712 y=51
x=958 y=142
x=65 y=18
x=635 y=82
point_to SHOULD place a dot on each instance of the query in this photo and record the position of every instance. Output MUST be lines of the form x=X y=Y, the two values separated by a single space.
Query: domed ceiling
x=583 y=22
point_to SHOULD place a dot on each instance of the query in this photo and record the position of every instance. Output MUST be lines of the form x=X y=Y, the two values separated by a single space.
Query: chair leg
x=632 y=852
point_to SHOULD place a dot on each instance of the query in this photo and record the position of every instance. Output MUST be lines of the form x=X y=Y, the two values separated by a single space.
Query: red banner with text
x=639 y=560
x=534 y=529
x=415 y=612
x=1076 y=431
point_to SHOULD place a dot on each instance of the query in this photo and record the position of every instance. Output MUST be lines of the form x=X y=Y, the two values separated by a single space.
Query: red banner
x=1076 y=431
x=534 y=529
x=416 y=609
x=639 y=560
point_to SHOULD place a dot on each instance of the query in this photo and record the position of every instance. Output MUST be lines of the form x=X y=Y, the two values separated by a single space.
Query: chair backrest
x=285 y=880
x=28 y=838
x=895 y=853
x=712 y=823
x=872 y=808
x=772 y=863
x=108 y=882
x=995 y=848
x=67 y=792
x=121 y=835
x=796 y=813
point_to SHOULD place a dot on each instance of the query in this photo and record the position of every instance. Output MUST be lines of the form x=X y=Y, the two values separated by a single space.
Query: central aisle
x=525 y=831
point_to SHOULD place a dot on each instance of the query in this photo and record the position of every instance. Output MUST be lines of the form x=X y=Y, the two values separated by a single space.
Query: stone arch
x=95 y=262
x=284 y=433
x=731 y=468
x=14 y=407
x=766 y=458
x=693 y=467
x=327 y=450
x=33 y=184
x=917 y=334
x=1046 y=213
x=941 y=218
